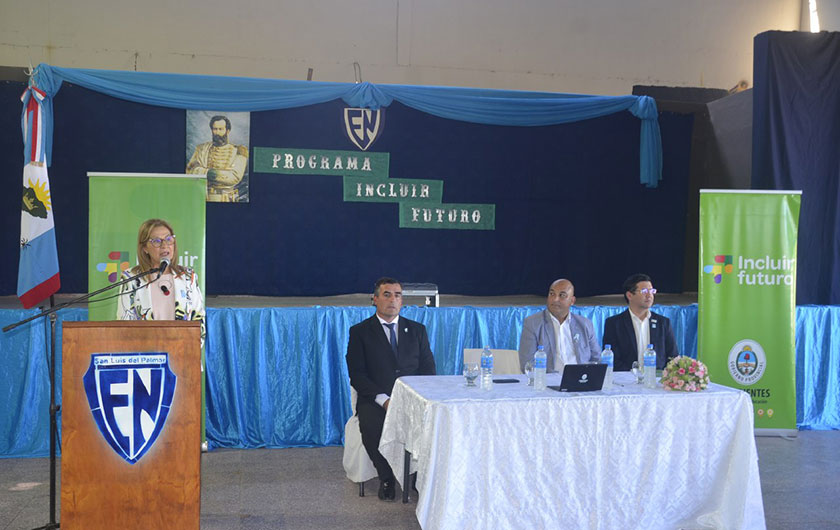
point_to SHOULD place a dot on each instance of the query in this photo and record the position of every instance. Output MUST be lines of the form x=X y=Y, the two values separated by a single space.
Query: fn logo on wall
x=363 y=126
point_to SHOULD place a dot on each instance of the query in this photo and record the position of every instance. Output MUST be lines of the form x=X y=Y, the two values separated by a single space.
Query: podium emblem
x=129 y=395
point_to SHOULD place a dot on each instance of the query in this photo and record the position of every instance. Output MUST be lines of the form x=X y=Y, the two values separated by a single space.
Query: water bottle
x=650 y=367
x=540 y=360
x=608 y=358
x=487 y=369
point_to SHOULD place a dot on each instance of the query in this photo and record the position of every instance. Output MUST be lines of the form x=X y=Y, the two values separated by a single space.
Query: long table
x=631 y=457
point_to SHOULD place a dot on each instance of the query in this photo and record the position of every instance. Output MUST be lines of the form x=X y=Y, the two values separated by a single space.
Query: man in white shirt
x=381 y=349
x=630 y=332
x=567 y=338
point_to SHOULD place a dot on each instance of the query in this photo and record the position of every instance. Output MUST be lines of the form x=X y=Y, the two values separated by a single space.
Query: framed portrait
x=218 y=145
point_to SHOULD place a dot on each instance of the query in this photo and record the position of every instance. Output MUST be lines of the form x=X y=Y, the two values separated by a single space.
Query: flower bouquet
x=686 y=374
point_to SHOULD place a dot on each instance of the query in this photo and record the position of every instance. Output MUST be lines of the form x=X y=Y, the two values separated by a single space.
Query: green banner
x=448 y=216
x=320 y=162
x=118 y=205
x=368 y=189
x=747 y=298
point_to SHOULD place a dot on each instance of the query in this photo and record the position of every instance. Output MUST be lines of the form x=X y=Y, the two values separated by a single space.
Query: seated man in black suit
x=381 y=349
x=630 y=332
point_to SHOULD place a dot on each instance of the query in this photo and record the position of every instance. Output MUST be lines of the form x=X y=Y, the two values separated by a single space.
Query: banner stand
x=789 y=434
x=747 y=299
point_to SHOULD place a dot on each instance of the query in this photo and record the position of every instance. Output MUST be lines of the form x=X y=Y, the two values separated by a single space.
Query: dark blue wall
x=568 y=200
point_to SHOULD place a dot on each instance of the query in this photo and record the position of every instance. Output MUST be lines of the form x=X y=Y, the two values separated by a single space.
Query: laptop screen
x=582 y=378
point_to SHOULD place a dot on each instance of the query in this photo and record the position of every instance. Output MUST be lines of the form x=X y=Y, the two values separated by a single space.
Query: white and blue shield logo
x=363 y=126
x=129 y=395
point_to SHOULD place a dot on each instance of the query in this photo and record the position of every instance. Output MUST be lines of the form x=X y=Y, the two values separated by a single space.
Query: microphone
x=163 y=264
x=165 y=290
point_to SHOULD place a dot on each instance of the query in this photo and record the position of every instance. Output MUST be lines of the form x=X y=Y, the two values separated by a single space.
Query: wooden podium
x=100 y=486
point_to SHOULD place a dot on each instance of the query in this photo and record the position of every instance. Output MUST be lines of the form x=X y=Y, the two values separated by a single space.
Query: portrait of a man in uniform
x=222 y=159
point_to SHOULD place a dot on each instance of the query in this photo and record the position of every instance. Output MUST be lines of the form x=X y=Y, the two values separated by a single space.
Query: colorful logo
x=747 y=362
x=129 y=395
x=363 y=126
x=116 y=267
x=723 y=264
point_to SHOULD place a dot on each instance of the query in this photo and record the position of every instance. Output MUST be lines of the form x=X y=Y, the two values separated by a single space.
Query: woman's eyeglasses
x=158 y=242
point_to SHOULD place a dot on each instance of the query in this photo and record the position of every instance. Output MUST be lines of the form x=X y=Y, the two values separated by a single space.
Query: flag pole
x=53 y=416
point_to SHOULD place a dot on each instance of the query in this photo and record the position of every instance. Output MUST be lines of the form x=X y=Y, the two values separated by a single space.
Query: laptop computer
x=581 y=378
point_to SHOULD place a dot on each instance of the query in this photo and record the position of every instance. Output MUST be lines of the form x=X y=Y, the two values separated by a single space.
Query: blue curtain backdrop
x=562 y=194
x=796 y=134
x=276 y=377
x=490 y=107
x=25 y=382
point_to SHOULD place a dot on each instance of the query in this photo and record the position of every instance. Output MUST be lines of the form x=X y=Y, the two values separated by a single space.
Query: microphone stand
x=54 y=408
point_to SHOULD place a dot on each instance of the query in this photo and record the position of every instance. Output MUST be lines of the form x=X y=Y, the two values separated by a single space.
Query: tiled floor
x=306 y=489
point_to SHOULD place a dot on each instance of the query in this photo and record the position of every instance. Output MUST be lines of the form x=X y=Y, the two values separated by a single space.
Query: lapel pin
x=405 y=330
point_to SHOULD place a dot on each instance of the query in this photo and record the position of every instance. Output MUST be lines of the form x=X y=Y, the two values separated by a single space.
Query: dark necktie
x=392 y=326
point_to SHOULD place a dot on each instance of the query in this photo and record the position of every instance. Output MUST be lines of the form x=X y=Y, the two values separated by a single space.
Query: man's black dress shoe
x=387 y=491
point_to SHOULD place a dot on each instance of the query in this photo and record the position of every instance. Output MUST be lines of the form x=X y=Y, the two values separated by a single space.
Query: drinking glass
x=471 y=371
x=529 y=371
x=639 y=372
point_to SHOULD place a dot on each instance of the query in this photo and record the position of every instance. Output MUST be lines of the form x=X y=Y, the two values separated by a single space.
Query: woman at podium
x=169 y=291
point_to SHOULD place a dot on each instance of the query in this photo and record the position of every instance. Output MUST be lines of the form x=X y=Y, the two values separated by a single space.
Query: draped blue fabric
x=796 y=132
x=485 y=106
x=276 y=377
x=818 y=367
x=25 y=382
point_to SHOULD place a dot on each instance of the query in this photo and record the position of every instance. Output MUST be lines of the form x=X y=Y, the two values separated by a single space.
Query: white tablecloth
x=628 y=458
